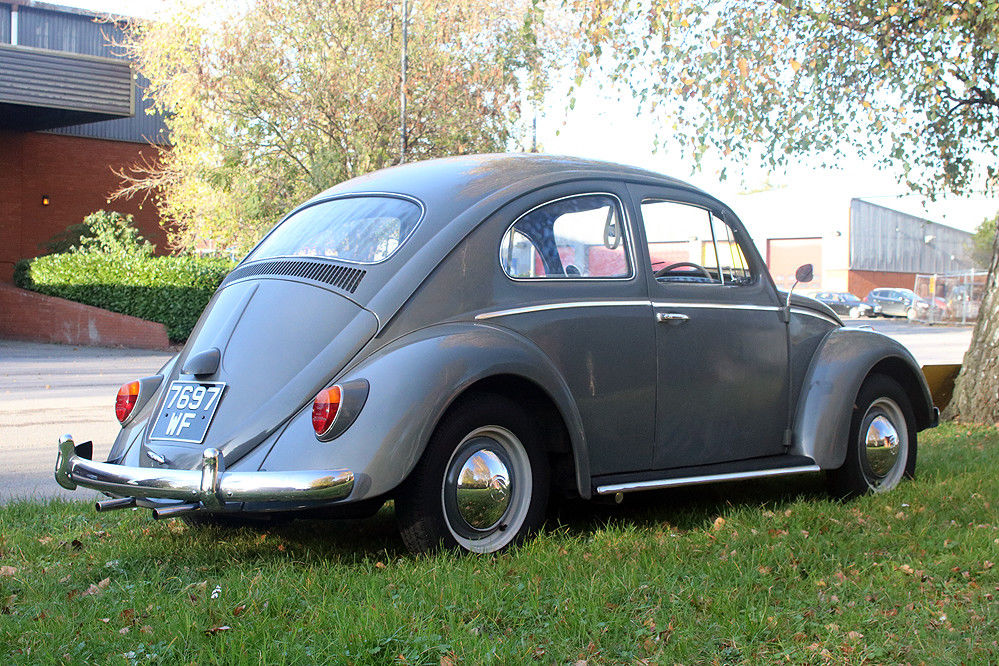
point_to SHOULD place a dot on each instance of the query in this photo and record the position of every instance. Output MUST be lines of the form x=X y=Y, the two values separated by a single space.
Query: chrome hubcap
x=884 y=443
x=882 y=446
x=483 y=491
x=486 y=490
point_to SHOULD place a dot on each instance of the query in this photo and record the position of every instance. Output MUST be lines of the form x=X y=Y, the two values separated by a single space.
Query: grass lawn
x=740 y=573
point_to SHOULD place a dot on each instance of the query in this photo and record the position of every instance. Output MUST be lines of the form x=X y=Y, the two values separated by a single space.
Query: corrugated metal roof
x=64 y=31
x=882 y=239
x=52 y=80
x=46 y=26
x=5 y=24
x=142 y=128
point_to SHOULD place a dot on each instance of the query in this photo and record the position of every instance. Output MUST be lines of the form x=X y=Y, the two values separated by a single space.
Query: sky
x=806 y=200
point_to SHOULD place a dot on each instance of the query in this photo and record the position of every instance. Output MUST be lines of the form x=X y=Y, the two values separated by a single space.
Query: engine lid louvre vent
x=337 y=275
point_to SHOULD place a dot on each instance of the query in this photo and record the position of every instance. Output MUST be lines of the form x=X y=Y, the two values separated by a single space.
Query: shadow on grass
x=690 y=508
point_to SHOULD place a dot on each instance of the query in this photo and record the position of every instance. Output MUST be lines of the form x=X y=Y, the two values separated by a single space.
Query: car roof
x=452 y=185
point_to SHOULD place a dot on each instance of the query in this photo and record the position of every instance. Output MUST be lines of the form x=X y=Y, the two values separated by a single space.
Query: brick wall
x=25 y=315
x=77 y=176
x=861 y=282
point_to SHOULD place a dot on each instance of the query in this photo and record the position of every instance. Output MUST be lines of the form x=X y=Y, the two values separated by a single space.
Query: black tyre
x=482 y=483
x=881 y=450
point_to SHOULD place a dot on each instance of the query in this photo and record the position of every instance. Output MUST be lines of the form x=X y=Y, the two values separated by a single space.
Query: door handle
x=671 y=317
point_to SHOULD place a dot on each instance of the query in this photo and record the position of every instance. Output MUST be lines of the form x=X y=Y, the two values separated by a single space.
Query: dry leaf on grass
x=7 y=571
x=96 y=588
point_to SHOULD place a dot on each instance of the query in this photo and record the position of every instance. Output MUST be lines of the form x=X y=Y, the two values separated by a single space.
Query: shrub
x=104 y=231
x=170 y=290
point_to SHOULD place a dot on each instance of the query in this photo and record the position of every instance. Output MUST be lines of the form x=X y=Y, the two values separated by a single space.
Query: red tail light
x=128 y=394
x=324 y=409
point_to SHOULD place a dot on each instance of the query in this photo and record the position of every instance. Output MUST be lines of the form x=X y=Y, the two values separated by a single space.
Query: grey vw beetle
x=468 y=336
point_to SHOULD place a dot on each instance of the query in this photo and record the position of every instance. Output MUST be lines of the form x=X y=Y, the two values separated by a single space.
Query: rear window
x=363 y=230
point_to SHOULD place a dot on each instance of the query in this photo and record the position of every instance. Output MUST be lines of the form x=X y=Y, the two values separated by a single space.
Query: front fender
x=844 y=359
x=412 y=382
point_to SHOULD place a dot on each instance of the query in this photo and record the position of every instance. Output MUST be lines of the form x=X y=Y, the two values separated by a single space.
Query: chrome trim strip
x=211 y=486
x=708 y=478
x=599 y=304
x=716 y=306
x=817 y=315
x=558 y=306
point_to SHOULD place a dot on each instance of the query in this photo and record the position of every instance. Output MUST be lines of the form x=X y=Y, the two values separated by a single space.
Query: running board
x=613 y=488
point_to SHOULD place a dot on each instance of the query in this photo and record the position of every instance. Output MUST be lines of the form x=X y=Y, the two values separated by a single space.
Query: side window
x=690 y=244
x=576 y=237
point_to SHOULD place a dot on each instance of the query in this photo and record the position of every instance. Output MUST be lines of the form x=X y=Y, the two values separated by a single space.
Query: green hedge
x=170 y=290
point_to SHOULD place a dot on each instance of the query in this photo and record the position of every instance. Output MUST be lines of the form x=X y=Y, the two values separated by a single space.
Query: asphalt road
x=48 y=390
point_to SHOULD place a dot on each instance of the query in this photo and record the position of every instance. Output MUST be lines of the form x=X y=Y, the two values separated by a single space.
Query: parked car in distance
x=472 y=336
x=897 y=302
x=963 y=302
x=845 y=303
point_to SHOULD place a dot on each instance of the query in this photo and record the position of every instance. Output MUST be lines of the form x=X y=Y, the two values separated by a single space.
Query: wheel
x=855 y=312
x=482 y=483
x=881 y=450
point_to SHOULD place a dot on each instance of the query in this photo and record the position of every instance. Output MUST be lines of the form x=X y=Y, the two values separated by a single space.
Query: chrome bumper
x=209 y=488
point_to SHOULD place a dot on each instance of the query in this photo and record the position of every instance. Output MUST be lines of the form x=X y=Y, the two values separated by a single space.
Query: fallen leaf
x=7 y=571
x=45 y=540
x=124 y=630
x=146 y=629
x=379 y=565
x=718 y=524
x=215 y=630
x=96 y=588
x=905 y=568
x=448 y=659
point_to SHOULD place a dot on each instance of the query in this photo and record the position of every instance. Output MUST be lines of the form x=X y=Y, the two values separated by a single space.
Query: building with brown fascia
x=72 y=113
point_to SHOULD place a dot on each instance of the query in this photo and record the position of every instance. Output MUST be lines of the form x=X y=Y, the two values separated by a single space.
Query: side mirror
x=805 y=273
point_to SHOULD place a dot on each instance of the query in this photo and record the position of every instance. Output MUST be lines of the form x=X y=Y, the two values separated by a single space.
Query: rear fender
x=413 y=380
x=839 y=367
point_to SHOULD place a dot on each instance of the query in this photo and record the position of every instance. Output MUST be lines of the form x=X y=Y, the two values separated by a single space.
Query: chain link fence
x=953 y=298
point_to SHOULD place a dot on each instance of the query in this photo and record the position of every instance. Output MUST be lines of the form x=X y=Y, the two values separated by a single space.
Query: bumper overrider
x=171 y=492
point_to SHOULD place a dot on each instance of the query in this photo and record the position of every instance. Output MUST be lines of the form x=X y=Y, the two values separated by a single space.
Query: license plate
x=187 y=411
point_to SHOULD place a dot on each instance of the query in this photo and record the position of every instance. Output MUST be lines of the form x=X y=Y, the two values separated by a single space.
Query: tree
x=271 y=101
x=911 y=85
x=981 y=242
